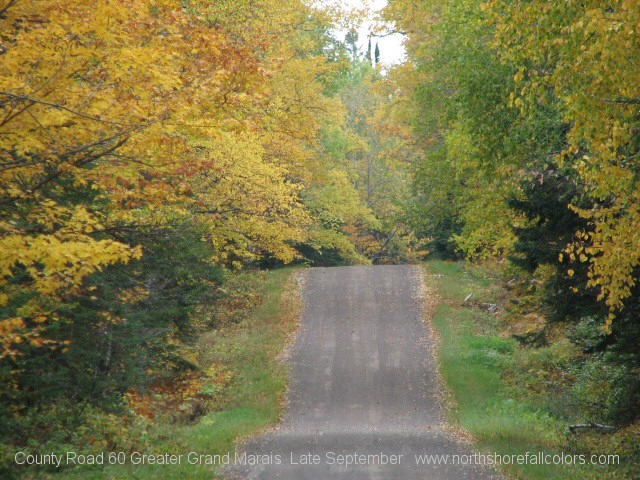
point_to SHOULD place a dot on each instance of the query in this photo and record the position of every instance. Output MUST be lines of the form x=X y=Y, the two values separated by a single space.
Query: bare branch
x=78 y=163
x=597 y=426
x=388 y=34
x=627 y=100
x=4 y=9
x=24 y=98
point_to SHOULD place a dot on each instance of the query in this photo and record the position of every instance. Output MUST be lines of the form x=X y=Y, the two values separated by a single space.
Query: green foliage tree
x=528 y=121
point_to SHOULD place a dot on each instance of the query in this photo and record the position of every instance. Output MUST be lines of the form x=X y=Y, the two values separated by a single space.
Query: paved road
x=363 y=385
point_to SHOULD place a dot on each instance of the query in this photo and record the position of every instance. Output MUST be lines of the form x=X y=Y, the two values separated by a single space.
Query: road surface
x=363 y=400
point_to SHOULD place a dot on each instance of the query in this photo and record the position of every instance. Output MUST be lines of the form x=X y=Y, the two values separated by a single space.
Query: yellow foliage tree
x=123 y=114
x=587 y=54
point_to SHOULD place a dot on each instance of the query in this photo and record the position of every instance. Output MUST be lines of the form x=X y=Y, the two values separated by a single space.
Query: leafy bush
x=603 y=390
x=129 y=329
x=66 y=426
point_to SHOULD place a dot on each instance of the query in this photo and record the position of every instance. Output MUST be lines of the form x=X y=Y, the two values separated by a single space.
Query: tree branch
x=597 y=426
x=4 y=9
x=388 y=34
x=56 y=173
x=627 y=100
x=24 y=98
x=382 y=248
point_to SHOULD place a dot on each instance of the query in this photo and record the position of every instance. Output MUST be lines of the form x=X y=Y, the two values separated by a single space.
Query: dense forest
x=150 y=152
x=527 y=114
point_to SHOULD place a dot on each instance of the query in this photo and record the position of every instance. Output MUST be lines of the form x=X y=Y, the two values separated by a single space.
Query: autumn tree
x=161 y=116
x=455 y=105
x=145 y=150
x=585 y=54
x=527 y=116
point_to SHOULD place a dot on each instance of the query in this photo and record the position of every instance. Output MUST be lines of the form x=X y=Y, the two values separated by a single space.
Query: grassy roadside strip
x=474 y=358
x=249 y=351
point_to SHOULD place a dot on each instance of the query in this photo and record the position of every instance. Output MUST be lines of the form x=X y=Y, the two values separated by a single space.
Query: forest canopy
x=528 y=114
x=150 y=151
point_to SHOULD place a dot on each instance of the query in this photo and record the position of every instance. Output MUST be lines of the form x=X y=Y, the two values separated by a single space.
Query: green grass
x=473 y=360
x=254 y=398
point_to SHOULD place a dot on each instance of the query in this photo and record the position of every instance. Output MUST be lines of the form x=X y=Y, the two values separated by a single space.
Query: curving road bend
x=363 y=398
